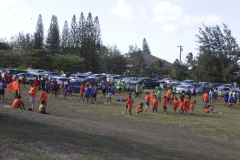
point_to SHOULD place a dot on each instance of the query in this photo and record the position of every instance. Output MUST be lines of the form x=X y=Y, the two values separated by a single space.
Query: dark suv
x=147 y=81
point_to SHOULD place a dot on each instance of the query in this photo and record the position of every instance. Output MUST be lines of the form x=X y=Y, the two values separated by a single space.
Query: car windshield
x=180 y=86
x=81 y=76
x=116 y=77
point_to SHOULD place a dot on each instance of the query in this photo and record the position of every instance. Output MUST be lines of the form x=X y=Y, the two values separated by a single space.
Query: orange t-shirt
x=16 y=102
x=169 y=92
x=147 y=98
x=33 y=90
x=187 y=104
x=82 y=89
x=175 y=104
x=191 y=107
x=127 y=100
x=139 y=107
x=181 y=105
x=207 y=110
x=164 y=102
x=205 y=97
x=152 y=96
x=43 y=96
x=155 y=103
x=130 y=103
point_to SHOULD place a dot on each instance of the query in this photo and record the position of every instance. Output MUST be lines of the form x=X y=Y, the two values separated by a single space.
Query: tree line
x=78 y=48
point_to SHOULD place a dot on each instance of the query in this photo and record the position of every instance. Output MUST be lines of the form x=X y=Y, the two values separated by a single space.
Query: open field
x=97 y=131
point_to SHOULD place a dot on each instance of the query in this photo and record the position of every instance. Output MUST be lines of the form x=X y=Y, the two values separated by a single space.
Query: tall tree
x=53 y=38
x=157 y=67
x=65 y=38
x=39 y=34
x=145 y=46
x=218 y=55
x=81 y=31
x=73 y=40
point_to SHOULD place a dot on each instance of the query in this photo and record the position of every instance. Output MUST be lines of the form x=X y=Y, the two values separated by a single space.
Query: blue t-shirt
x=70 y=87
x=86 y=93
x=92 y=91
x=226 y=98
x=238 y=95
x=111 y=89
x=230 y=99
x=212 y=95
x=235 y=95
x=103 y=87
x=47 y=85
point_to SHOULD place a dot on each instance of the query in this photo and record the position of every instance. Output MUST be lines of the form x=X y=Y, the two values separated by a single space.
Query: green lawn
x=97 y=131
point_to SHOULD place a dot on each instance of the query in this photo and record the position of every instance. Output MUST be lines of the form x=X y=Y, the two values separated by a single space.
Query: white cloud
x=122 y=10
x=6 y=5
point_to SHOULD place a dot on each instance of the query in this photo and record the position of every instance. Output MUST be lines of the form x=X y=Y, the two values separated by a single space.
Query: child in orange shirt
x=147 y=101
x=192 y=107
x=181 y=104
x=165 y=105
x=139 y=108
x=130 y=103
x=154 y=104
x=175 y=105
x=187 y=104
x=129 y=95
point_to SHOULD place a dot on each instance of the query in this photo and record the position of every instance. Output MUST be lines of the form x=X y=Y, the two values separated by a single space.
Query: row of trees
x=82 y=39
x=217 y=60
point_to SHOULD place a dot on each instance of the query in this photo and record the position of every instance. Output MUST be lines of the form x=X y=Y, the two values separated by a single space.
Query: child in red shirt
x=175 y=105
x=139 y=108
x=192 y=107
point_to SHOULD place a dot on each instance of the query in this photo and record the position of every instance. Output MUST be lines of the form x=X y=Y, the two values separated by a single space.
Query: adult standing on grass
x=81 y=92
x=70 y=89
x=24 y=80
x=32 y=92
x=226 y=96
x=138 y=90
x=205 y=99
x=3 y=85
x=212 y=96
x=110 y=93
x=174 y=88
x=103 y=90
x=230 y=101
x=86 y=93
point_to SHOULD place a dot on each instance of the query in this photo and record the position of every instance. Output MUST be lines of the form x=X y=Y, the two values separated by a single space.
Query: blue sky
x=165 y=24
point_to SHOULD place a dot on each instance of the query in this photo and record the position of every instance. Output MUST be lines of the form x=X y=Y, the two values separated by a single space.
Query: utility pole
x=180 y=52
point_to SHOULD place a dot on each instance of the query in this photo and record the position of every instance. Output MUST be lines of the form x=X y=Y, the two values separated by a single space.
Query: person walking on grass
x=110 y=94
x=192 y=107
x=138 y=90
x=32 y=93
x=205 y=99
x=70 y=89
x=81 y=92
x=154 y=104
x=212 y=96
x=86 y=93
x=226 y=96
x=130 y=104
x=175 y=105
x=129 y=95
x=147 y=101
x=165 y=105
x=230 y=101
x=139 y=108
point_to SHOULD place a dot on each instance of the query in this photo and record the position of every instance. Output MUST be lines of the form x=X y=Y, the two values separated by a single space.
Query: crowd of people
x=88 y=94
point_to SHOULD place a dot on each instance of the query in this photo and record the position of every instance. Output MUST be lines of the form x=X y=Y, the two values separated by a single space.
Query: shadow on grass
x=57 y=142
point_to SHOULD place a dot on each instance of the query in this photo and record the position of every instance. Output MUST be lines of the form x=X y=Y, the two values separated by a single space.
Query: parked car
x=147 y=81
x=59 y=80
x=29 y=77
x=214 y=85
x=186 y=82
x=36 y=71
x=157 y=79
x=76 y=86
x=95 y=76
x=78 y=77
x=92 y=81
x=53 y=74
x=206 y=84
x=14 y=72
x=116 y=78
x=185 y=88
x=66 y=75
x=167 y=80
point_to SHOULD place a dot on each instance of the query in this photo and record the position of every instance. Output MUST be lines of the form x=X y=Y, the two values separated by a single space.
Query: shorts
x=104 y=91
x=159 y=99
x=42 y=112
x=126 y=106
x=91 y=96
x=164 y=107
x=109 y=95
x=173 y=93
x=234 y=101
x=120 y=89
x=227 y=101
x=129 y=110
x=113 y=93
x=205 y=103
x=137 y=93
x=153 y=108
x=32 y=99
x=147 y=103
x=2 y=91
x=69 y=91
x=45 y=104
x=86 y=96
x=82 y=95
x=128 y=90
x=168 y=99
x=95 y=95
x=47 y=90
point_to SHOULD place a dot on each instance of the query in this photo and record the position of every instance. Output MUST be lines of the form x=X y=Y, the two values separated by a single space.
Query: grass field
x=100 y=132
